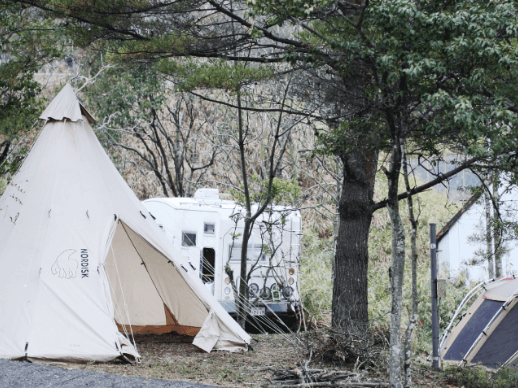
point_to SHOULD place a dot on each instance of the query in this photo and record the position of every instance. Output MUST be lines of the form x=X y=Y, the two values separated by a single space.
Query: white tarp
x=64 y=287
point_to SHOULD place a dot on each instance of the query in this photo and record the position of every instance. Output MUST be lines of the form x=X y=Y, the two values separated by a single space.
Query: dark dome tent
x=487 y=334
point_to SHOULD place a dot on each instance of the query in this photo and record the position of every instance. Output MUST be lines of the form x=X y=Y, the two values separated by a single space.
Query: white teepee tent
x=82 y=259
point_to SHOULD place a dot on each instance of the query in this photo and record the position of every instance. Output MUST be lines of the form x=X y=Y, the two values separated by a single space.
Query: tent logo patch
x=84 y=263
x=65 y=266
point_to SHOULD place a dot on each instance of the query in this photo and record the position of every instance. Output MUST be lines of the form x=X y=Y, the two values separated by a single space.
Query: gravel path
x=15 y=374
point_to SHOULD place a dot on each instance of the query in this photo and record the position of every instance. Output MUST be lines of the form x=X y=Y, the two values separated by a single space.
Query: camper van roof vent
x=212 y=194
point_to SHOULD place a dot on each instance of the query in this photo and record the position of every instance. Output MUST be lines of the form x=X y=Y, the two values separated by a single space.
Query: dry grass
x=173 y=357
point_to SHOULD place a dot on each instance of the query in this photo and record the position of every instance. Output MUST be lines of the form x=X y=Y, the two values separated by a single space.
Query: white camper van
x=207 y=230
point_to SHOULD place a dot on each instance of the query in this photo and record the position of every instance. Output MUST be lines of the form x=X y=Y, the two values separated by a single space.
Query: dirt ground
x=173 y=357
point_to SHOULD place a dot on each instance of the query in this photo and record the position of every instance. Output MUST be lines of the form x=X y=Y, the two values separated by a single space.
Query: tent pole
x=435 y=315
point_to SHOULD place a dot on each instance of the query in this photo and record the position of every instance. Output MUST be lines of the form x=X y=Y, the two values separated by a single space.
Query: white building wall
x=457 y=249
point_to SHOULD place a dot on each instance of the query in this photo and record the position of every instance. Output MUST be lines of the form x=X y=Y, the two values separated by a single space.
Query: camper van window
x=207 y=265
x=253 y=252
x=209 y=228
x=188 y=239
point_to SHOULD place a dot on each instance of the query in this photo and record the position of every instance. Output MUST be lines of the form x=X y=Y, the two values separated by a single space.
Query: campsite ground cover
x=173 y=357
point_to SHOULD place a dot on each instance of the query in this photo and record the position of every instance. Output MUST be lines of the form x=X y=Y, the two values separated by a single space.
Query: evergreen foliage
x=27 y=41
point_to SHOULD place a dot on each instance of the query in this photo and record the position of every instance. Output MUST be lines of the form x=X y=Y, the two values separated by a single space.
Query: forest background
x=174 y=125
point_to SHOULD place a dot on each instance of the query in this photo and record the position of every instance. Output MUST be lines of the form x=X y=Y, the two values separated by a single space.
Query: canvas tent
x=81 y=259
x=487 y=334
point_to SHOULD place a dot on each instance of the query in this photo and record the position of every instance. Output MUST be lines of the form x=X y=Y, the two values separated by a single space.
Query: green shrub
x=316 y=272
x=479 y=377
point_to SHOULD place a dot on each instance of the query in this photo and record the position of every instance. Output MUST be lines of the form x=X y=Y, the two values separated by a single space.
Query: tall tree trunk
x=351 y=259
x=412 y=319
x=497 y=230
x=489 y=237
x=397 y=268
x=336 y=219
x=242 y=301
x=242 y=298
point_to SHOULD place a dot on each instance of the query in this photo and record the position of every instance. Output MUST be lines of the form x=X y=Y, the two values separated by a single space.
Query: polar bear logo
x=64 y=265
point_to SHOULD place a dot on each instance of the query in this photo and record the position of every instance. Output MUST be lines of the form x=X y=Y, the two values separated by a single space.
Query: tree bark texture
x=242 y=298
x=489 y=237
x=497 y=231
x=351 y=258
x=336 y=219
x=5 y=151
x=412 y=320
x=397 y=268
